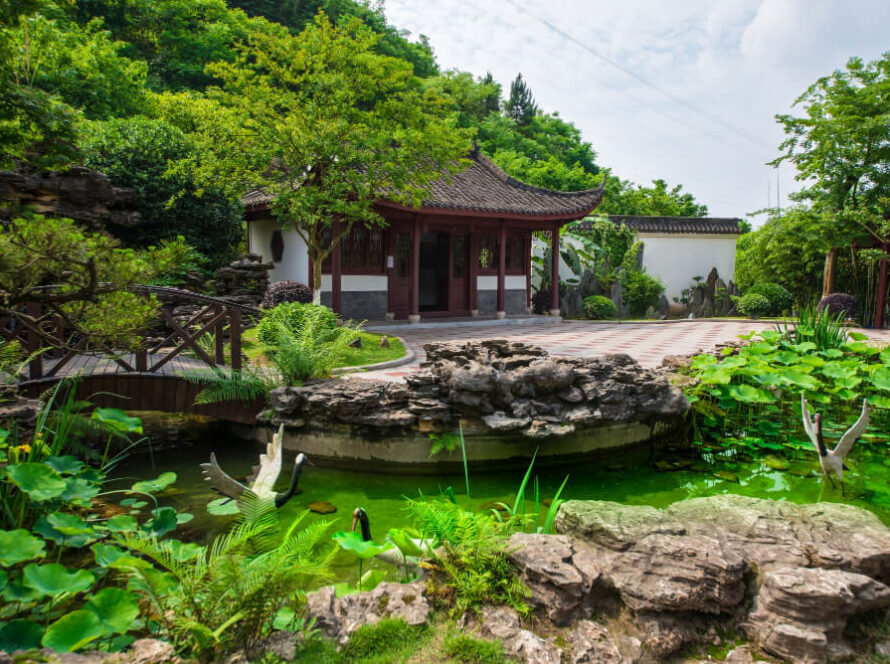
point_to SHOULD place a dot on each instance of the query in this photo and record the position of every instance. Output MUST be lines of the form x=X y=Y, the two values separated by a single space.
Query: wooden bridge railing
x=55 y=340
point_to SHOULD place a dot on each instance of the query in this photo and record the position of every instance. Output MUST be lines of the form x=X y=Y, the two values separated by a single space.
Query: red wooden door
x=459 y=278
x=399 y=284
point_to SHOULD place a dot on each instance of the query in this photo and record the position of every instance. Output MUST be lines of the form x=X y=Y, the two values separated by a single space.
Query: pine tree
x=521 y=104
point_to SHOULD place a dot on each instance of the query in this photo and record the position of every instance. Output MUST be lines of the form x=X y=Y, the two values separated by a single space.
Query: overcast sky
x=697 y=82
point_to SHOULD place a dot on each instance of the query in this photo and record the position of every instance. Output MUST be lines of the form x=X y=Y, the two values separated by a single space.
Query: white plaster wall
x=294 y=263
x=360 y=283
x=490 y=282
x=675 y=258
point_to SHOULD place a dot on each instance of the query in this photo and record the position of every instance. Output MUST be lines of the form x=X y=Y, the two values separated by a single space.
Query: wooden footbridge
x=148 y=377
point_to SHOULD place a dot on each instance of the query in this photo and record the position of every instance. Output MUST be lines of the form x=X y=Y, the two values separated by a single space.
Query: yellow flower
x=24 y=448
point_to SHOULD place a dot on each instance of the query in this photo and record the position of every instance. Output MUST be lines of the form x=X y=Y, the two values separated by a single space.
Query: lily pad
x=17 y=546
x=222 y=507
x=73 y=631
x=65 y=465
x=79 y=491
x=108 y=555
x=322 y=507
x=20 y=635
x=54 y=579
x=163 y=521
x=156 y=485
x=65 y=529
x=116 y=608
x=121 y=523
x=38 y=480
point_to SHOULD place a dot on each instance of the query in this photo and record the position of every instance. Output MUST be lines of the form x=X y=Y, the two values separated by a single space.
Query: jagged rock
x=558 y=572
x=282 y=645
x=593 y=644
x=244 y=280
x=801 y=613
x=339 y=617
x=504 y=386
x=141 y=651
x=501 y=623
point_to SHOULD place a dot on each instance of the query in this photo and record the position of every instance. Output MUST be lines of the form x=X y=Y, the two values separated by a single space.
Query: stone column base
x=554 y=312
x=413 y=319
x=474 y=312
x=529 y=310
x=500 y=314
x=390 y=315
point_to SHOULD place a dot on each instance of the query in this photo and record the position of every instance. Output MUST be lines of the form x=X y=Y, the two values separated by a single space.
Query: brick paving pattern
x=645 y=342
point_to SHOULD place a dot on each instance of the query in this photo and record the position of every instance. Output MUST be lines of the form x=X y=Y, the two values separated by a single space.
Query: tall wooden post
x=235 y=337
x=414 y=299
x=33 y=342
x=882 y=290
x=336 y=268
x=554 y=270
x=502 y=271
x=219 y=340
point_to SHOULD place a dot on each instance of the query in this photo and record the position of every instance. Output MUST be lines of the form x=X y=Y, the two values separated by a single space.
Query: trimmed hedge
x=780 y=299
x=598 y=307
x=754 y=305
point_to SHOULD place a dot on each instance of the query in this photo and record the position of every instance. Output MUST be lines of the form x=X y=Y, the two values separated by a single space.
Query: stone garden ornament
x=265 y=474
x=832 y=461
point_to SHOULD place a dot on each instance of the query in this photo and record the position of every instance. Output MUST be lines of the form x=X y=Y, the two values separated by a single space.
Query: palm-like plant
x=216 y=599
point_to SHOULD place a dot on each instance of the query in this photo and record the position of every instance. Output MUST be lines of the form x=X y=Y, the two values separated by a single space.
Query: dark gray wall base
x=360 y=305
x=514 y=301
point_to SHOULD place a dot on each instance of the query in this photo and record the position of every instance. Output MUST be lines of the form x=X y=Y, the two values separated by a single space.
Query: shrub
x=467 y=650
x=754 y=305
x=780 y=300
x=837 y=303
x=641 y=291
x=286 y=291
x=388 y=635
x=293 y=316
x=598 y=307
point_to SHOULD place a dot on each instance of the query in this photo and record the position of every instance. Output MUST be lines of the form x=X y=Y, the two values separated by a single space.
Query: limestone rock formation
x=243 y=281
x=339 y=617
x=79 y=193
x=506 y=386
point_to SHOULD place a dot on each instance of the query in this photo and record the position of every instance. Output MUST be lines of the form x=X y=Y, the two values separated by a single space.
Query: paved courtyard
x=648 y=343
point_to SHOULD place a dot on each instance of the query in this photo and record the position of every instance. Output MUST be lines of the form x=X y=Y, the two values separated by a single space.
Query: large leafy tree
x=623 y=197
x=141 y=153
x=841 y=150
x=326 y=126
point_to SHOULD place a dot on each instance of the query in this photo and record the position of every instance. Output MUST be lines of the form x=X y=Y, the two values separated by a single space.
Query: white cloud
x=740 y=61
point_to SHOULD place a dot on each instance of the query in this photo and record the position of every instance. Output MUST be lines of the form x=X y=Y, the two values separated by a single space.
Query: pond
x=674 y=476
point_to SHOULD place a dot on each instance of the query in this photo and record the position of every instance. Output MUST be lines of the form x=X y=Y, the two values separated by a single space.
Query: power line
x=629 y=72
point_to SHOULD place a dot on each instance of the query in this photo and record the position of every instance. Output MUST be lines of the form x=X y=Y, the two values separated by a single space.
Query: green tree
x=327 y=127
x=841 y=148
x=143 y=153
x=472 y=100
x=520 y=106
x=623 y=197
x=91 y=270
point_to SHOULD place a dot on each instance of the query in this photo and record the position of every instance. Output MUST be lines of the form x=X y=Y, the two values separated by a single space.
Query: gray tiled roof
x=678 y=225
x=484 y=187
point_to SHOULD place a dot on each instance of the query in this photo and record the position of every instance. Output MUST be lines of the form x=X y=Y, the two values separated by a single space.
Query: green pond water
x=670 y=477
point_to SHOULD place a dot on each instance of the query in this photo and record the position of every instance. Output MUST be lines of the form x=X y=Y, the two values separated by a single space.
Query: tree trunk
x=316 y=281
x=829 y=272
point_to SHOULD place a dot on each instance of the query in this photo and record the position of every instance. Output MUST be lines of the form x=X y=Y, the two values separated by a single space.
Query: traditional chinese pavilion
x=463 y=252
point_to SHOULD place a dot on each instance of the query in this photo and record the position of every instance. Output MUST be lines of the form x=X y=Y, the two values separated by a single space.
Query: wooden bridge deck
x=106 y=383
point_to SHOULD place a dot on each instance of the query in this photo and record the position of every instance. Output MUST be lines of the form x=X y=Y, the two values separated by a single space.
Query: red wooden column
x=554 y=270
x=502 y=270
x=414 y=299
x=882 y=290
x=336 y=268
x=473 y=272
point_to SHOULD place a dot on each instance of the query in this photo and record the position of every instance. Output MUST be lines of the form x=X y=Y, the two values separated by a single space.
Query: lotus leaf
x=749 y=394
x=404 y=542
x=371 y=579
x=117 y=420
x=73 y=631
x=156 y=485
x=786 y=357
x=108 y=555
x=20 y=635
x=116 y=608
x=4 y=579
x=879 y=401
x=38 y=480
x=881 y=379
x=799 y=378
x=65 y=529
x=183 y=517
x=121 y=523
x=285 y=619
x=163 y=521
x=16 y=592
x=804 y=347
x=65 y=465
x=352 y=542
x=79 y=491
x=54 y=579
x=17 y=546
